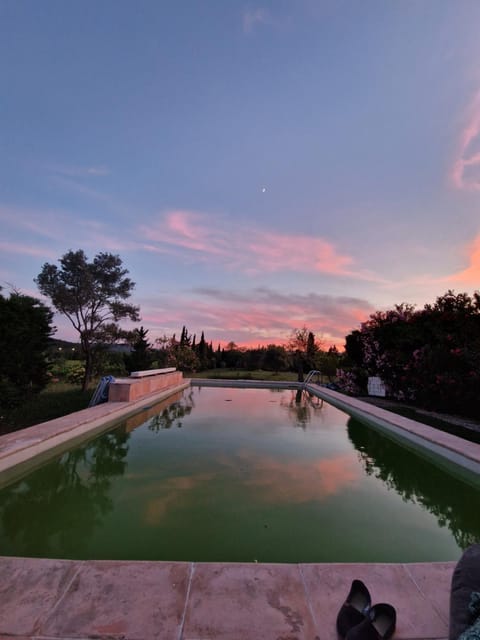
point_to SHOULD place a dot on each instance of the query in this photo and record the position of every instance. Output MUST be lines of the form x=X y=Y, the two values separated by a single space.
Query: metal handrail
x=101 y=392
x=310 y=375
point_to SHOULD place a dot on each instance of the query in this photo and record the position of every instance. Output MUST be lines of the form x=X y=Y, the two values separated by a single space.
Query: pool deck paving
x=46 y=599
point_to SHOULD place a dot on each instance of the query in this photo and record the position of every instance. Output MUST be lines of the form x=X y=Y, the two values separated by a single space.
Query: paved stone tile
x=328 y=585
x=247 y=602
x=29 y=588
x=434 y=580
x=130 y=600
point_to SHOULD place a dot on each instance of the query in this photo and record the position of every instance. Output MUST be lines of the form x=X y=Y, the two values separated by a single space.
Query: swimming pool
x=219 y=474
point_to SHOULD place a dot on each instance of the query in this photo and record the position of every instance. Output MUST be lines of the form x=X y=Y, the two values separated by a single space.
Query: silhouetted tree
x=202 y=352
x=141 y=357
x=275 y=358
x=91 y=295
x=25 y=330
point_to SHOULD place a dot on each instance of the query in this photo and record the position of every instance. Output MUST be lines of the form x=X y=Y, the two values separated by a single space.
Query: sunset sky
x=258 y=167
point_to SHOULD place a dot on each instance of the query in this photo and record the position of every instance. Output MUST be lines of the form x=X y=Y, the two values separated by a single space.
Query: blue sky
x=257 y=166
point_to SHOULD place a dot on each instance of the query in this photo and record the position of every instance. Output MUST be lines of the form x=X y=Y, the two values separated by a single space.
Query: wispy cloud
x=465 y=172
x=43 y=223
x=252 y=18
x=79 y=171
x=207 y=238
x=75 y=180
x=75 y=186
x=27 y=250
x=59 y=228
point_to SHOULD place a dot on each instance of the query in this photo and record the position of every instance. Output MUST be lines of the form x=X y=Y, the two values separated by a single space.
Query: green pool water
x=245 y=475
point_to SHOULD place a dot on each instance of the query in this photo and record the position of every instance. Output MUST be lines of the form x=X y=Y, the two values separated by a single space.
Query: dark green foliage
x=183 y=358
x=74 y=372
x=311 y=352
x=25 y=330
x=140 y=359
x=107 y=362
x=58 y=399
x=232 y=356
x=353 y=348
x=430 y=356
x=275 y=358
x=185 y=339
x=202 y=353
x=304 y=350
x=252 y=359
x=329 y=362
x=92 y=296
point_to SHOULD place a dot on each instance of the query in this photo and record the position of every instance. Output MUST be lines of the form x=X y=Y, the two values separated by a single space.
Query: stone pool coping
x=119 y=600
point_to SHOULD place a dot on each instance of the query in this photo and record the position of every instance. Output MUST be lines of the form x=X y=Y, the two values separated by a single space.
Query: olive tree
x=92 y=296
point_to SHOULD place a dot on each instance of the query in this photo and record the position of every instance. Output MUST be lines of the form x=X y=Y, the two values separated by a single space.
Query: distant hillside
x=63 y=344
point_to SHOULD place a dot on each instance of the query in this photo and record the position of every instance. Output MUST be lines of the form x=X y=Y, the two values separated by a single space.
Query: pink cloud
x=465 y=173
x=296 y=482
x=205 y=237
x=471 y=274
x=259 y=317
x=276 y=252
x=178 y=230
x=272 y=480
x=466 y=277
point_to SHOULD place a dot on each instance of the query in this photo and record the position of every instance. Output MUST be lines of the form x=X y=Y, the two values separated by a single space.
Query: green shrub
x=73 y=372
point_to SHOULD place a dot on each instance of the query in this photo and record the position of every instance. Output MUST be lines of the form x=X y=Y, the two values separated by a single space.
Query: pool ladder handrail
x=310 y=375
x=100 y=394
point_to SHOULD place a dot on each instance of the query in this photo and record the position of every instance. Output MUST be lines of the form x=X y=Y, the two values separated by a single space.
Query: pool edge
x=58 y=599
x=445 y=449
x=23 y=450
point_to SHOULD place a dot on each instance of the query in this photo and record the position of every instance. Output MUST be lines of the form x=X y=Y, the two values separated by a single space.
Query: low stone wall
x=130 y=389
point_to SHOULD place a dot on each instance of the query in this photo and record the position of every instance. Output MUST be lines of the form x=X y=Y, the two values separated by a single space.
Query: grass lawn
x=450 y=427
x=58 y=399
x=241 y=374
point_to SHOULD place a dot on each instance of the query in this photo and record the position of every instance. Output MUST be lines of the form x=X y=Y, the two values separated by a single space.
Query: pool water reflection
x=222 y=474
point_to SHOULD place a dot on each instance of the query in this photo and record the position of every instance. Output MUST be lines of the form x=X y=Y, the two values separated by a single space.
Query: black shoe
x=355 y=608
x=379 y=624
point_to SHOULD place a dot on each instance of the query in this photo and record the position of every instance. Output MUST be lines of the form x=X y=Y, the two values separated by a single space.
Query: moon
x=264 y=189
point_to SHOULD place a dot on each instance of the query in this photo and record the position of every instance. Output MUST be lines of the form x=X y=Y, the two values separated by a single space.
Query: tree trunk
x=300 y=366
x=88 y=364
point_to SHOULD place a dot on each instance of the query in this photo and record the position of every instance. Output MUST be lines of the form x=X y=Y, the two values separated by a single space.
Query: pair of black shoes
x=358 y=620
